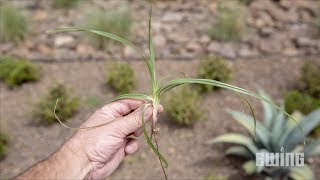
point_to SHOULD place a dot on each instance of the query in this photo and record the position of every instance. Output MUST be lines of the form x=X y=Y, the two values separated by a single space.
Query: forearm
x=67 y=163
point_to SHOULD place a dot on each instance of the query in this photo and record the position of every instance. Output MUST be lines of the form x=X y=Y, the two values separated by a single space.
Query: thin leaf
x=178 y=82
x=152 y=58
x=312 y=149
x=110 y=36
x=301 y=173
x=239 y=151
x=250 y=167
x=252 y=112
x=133 y=96
x=149 y=142
x=290 y=139
x=262 y=133
x=268 y=109
x=235 y=139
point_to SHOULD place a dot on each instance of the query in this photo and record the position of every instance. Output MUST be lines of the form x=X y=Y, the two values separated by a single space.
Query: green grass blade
x=152 y=57
x=133 y=96
x=252 y=112
x=149 y=142
x=178 y=82
x=110 y=36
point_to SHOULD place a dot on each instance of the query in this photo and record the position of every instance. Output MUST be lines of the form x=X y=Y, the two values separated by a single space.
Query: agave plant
x=157 y=89
x=274 y=134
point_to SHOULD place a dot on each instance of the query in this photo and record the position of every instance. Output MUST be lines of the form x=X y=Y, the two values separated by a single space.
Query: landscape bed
x=184 y=147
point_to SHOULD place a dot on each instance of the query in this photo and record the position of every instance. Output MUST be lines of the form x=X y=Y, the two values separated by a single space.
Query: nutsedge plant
x=159 y=89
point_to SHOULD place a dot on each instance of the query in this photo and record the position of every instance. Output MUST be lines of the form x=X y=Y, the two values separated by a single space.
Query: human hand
x=103 y=148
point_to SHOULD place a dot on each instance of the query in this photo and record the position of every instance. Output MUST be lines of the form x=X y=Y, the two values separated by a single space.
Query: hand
x=106 y=146
x=95 y=153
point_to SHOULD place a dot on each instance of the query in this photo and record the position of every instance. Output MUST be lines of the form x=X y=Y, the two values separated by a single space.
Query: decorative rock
x=44 y=49
x=172 y=17
x=204 y=39
x=228 y=51
x=193 y=47
x=159 y=41
x=266 y=31
x=129 y=52
x=40 y=16
x=246 y=51
x=305 y=42
x=64 y=41
x=213 y=47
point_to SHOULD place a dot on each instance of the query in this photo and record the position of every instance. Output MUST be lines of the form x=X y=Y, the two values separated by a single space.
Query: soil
x=184 y=147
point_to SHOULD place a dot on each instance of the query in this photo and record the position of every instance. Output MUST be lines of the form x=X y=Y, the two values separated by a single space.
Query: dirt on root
x=184 y=147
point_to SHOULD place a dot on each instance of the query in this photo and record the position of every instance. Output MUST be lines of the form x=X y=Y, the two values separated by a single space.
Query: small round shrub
x=13 y=25
x=65 y=4
x=121 y=78
x=215 y=68
x=183 y=106
x=66 y=108
x=117 y=21
x=230 y=24
x=15 y=72
x=311 y=78
x=3 y=145
x=297 y=101
x=246 y=2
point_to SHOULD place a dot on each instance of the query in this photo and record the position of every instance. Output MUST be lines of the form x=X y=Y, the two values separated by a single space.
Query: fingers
x=133 y=121
x=131 y=146
x=121 y=107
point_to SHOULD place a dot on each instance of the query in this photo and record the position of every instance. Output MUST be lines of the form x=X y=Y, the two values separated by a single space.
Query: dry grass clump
x=3 y=145
x=120 y=77
x=13 y=24
x=66 y=108
x=230 y=24
x=65 y=4
x=15 y=72
x=213 y=67
x=117 y=21
x=184 y=107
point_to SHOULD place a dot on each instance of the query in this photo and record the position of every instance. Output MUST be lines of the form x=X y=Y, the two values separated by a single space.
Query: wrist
x=75 y=159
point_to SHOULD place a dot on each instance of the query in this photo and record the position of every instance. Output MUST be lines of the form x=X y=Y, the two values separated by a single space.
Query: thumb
x=132 y=122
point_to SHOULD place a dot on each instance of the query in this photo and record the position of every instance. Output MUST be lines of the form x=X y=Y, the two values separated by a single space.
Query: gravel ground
x=188 y=156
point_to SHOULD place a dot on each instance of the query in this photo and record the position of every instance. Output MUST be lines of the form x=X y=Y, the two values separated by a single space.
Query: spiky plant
x=272 y=134
x=157 y=89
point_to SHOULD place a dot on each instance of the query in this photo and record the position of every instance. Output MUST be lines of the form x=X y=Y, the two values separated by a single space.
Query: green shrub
x=120 y=77
x=230 y=24
x=311 y=78
x=184 y=107
x=297 y=101
x=13 y=25
x=65 y=4
x=116 y=21
x=272 y=134
x=66 y=107
x=3 y=145
x=215 y=68
x=15 y=72
x=246 y=2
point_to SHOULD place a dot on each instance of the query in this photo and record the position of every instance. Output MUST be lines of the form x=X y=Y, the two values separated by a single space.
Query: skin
x=96 y=153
